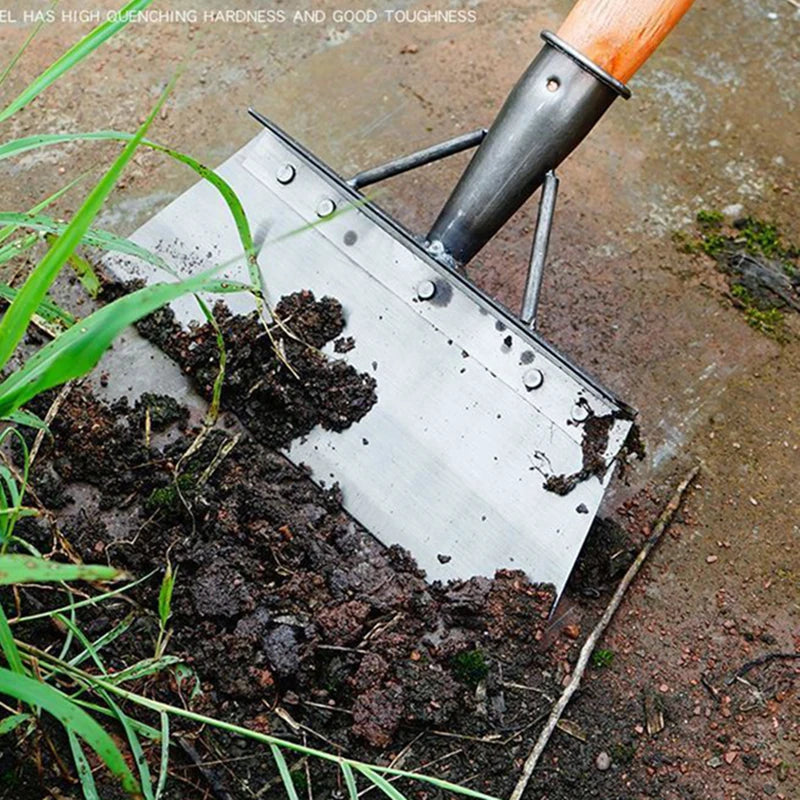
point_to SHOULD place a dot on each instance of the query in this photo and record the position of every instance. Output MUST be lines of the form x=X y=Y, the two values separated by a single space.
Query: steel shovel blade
x=474 y=411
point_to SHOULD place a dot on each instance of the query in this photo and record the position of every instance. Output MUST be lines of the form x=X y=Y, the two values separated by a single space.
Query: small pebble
x=714 y=762
x=603 y=761
x=730 y=757
x=711 y=559
x=572 y=631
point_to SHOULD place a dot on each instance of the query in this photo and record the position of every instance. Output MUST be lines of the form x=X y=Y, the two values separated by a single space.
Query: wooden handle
x=620 y=35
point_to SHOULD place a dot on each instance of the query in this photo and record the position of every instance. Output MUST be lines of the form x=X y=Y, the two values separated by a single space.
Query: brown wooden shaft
x=620 y=35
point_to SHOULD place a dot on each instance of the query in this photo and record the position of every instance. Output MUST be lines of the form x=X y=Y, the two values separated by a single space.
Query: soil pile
x=277 y=382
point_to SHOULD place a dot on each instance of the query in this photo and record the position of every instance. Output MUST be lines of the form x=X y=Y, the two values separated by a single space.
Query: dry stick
x=661 y=525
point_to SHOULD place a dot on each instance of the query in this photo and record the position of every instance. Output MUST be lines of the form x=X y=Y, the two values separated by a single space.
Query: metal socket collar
x=584 y=63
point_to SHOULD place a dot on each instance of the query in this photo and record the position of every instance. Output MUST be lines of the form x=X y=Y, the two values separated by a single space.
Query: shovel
x=487 y=449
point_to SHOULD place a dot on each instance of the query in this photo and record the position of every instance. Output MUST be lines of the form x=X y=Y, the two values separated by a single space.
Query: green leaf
x=9 y=646
x=27 y=419
x=21 y=245
x=18 y=55
x=93 y=237
x=9 y=229
x=8 y=724
x=283 y=769
x=76 y=351
x=164 y=766
x=135 y=745
x=143 y=668
x=381 y=783
x=18 y=146
x=74 y=56
x=82 y=767
x=349 y=780
x=73 y=718
x=15 y=320
x=107 y=638
x=27 y=569
x=165 y=595
x=47 y=309
x=89 y=601
x=86 y=275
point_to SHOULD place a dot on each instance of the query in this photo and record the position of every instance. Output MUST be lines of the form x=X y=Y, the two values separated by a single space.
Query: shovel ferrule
x=552 y=108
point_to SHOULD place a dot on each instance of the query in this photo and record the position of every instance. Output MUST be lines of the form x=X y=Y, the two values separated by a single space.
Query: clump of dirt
x=277 y=381
x=593 y=444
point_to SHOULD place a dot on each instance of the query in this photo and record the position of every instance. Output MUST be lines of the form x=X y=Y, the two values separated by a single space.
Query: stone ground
x=713 y=123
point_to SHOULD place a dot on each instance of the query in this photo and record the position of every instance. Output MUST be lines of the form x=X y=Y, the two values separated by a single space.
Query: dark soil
x=289 y=617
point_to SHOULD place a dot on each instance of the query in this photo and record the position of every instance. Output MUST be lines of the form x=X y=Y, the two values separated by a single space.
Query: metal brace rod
x=418 y=159
x=541 y=241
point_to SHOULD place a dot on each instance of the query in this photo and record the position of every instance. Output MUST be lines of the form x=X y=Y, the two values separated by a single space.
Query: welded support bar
x=418 y=159
x=541 y=241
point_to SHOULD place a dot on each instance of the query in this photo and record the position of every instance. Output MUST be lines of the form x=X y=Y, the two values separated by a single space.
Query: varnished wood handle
x=620 y=35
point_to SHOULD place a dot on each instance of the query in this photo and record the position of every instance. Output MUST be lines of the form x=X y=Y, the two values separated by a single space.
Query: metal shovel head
x=474 y=410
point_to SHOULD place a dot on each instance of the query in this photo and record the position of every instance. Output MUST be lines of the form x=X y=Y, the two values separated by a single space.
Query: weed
x=470 y=667
x=602 y=658
x=623 y=752
x=709 y=220
x=169 y=498
x=761 y=238
x=769 y=321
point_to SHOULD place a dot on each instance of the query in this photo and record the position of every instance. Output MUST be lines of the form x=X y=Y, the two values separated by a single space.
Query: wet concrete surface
x=713 y=122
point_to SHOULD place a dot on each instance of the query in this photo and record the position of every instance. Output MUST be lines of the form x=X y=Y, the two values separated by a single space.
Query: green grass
x=769 y=321
x=602 y=658
x=97 y=708
x=470 y=667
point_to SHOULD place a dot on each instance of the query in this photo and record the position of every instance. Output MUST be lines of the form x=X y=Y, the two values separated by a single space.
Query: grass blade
x=349 y=780
x=73 y=718
x=25 y=569
x=13 y=722
x=9 y=646
x=26 y=419
x=104 y=640
x=18 y=146
x=47 y=309
x=381 y=783
x=283 y=769
x=86 y=275
x=85 y=776
x=165 y=595
x=9 y=229
x=164 y=765
x=145 y=667
x=73 y=56
x=93 y=237
x=76 y=351
x=89 y=601
x=18 y=55
x=17 y=247
x=135 y=745
x=15 y=321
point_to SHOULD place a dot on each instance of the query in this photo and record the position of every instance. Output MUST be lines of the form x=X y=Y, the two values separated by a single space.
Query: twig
x=589 y=645
x=51 y=415
x=757 y=662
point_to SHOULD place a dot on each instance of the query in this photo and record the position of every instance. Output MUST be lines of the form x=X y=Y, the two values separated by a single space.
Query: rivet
x=532 y=379
x=285 y=174
x=426 y=290
x=580 y=412
x=326 y=207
